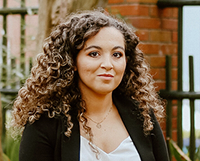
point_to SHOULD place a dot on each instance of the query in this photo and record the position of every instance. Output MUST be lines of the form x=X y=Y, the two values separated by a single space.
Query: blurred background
x=169 y=33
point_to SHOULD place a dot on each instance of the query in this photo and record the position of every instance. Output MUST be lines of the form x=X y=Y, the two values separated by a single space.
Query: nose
x=107 y=62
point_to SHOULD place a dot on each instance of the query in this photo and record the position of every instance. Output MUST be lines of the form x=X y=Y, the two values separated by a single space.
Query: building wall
x=157 y=31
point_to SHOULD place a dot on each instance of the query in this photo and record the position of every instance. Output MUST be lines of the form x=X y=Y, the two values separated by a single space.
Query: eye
x=117 y=54
x=93 y=54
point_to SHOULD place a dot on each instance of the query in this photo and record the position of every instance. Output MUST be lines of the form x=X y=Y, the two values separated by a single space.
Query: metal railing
x=179 y=96
x=10 y=88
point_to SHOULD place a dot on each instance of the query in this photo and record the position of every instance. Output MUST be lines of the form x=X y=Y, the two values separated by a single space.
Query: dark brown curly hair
x=52 y=87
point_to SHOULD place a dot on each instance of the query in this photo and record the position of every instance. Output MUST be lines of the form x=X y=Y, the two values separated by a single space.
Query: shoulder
x=44 y=123
x=45 y=129
x=40 y=139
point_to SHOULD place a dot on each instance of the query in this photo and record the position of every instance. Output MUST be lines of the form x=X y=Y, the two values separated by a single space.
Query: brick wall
x=157 y=30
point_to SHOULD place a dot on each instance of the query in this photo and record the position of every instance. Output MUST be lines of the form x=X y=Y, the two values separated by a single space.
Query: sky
x=191 y=46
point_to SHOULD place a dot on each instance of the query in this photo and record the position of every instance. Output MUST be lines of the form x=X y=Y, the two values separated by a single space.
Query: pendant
x=98 y=125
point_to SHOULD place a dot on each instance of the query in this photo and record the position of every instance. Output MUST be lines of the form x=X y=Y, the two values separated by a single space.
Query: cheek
x=84 y=70
x=120 y=68
x=87 y=66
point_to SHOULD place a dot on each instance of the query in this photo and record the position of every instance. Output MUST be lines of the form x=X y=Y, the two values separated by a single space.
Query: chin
x=104 y=91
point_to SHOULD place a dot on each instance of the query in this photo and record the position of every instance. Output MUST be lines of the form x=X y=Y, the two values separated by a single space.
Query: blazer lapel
x=128 y=110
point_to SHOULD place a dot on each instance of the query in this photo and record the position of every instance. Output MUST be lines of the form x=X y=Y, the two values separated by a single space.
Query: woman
x=90 y=96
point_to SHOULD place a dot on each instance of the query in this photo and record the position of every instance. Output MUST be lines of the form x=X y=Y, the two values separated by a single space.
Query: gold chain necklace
x=98 y=124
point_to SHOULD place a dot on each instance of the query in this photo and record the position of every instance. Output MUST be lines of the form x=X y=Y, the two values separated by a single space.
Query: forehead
x=107 y=36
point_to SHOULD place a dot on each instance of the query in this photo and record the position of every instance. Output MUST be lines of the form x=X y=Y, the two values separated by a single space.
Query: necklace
x=98 y=124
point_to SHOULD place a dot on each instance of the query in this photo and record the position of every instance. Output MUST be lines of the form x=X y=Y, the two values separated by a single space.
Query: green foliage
x=11 y=147
x=197 y=154
x=5 y=157
x=177 y=152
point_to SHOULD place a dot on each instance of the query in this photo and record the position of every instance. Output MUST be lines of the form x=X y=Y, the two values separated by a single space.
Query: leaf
x=12 y=147
x=197 y=154
x=177 y=152
x=5 y=157
x=15 y=151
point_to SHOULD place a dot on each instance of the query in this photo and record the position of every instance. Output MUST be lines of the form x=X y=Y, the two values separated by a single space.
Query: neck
x=97 y=104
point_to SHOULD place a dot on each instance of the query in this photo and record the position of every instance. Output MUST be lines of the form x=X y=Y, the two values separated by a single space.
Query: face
x=102 y=62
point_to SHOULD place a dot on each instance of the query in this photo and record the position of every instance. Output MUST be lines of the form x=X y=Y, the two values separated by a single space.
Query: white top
x=126 y=151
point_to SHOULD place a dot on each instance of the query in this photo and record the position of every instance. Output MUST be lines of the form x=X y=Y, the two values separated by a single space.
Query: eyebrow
x=116 y=47
x=97 y=47
x=93 y=46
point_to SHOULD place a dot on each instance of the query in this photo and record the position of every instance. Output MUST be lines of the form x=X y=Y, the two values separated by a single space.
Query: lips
x=106 y=75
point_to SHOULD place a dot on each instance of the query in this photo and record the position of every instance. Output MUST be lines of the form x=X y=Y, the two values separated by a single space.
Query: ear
x=75 y=68
x=127 y=59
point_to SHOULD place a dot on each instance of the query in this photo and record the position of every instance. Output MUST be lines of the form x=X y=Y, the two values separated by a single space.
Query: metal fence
x=11 y=88
x=179 y=95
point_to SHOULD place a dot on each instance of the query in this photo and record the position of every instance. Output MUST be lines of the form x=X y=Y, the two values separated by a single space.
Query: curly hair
x=52 y=87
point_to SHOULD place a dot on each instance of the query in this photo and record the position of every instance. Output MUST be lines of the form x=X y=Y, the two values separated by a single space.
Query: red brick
x=163 y=125
x=115 y=1
x=159 y=85
x=13 y=3
x=154 y=11
x=174 y=85
x=174 y=61
x=147 y=58
x=142 y=34
x=133 y=10
x=174 y=111
x=157 y=61
x=143 y=1
x=174 y=73
x=175 y=12
x=13 y=34
x=170 y=24
x=174 y=135
x=155 y=73
x=174 y=36
x=174 y=102
x=166 y=12
x=169 y=49
x=162 y=73
x=174 y=123
x=31 y=3
x=147 y=23
x=163 y=13
x=149 y=48
x=158 y=73
x=161 y=36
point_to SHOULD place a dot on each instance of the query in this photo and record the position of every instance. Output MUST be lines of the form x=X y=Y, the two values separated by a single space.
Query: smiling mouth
x=106 y=75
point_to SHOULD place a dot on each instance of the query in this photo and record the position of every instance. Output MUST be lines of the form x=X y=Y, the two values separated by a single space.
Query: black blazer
x=45 y=140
